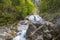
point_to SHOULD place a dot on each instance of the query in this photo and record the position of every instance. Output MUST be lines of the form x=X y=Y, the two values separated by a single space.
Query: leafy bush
x=14 y=10
x=49 y=9
x=49 y=5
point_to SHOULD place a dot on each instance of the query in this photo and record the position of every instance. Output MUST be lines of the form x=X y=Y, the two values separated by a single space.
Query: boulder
x=35 y=19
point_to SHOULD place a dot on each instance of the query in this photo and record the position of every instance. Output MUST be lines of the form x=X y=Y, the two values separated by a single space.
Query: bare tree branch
x=36 y=30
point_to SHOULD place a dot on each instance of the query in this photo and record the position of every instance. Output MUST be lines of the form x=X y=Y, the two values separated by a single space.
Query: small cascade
x=22 y=28
x=23 y=25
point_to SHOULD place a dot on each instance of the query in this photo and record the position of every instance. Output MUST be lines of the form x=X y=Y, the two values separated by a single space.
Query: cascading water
x=22 y=28
x=23 y=25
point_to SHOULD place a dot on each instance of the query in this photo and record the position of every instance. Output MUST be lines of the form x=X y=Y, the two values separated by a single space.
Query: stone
x=35 y=19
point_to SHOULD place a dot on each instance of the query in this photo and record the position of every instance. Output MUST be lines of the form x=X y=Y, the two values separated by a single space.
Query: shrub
x=14 y=10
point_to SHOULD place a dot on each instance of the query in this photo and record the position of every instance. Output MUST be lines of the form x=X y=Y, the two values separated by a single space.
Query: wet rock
x=35 y=19
x=22 y=25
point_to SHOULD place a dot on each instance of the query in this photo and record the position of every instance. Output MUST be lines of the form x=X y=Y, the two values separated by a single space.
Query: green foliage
x=43 y=6
x=49 y=16
x=49 y=5
x=14 y=10
x=49 y=9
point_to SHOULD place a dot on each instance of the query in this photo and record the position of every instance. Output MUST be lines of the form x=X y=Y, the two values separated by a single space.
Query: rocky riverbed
x=45 y=31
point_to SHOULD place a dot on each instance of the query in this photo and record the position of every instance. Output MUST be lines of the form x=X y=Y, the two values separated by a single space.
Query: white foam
x=22 y=28
x=35 y=19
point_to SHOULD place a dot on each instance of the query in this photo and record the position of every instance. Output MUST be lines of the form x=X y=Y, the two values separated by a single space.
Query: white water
x=36 y=19
x=23 y=25
x=22 y=28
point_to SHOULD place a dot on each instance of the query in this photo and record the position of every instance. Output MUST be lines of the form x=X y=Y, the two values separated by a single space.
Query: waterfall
x=24 y=24
x=22 y=28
